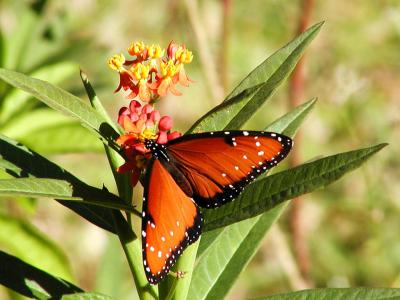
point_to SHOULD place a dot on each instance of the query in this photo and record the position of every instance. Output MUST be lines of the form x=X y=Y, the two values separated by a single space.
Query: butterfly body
x=198 y=170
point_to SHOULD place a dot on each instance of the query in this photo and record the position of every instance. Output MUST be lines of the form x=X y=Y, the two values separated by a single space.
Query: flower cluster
x=152 y=71
x=141 y=123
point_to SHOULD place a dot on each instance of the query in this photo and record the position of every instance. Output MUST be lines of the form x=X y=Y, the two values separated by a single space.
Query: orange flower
x=153 y=71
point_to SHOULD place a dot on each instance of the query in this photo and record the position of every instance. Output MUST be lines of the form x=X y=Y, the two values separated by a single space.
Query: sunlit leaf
x=16 y=101
x=19 y=161
x=62 y=101
x=60 y=190
x=86 y=296
x=257 y=87
x=338 y=293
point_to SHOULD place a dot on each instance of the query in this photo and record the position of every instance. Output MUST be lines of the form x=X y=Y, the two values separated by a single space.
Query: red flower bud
x=162 y=137
x=155 y=116
x=165 y=123
x=173 y=135
x=133 y=105
x=149 y=123
x=147 y=109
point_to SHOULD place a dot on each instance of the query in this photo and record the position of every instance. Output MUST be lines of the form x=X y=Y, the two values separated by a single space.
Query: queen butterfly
x=199 y=170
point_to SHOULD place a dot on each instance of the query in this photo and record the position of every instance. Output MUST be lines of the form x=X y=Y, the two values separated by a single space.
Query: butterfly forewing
x=219 y=165
x=171 y=221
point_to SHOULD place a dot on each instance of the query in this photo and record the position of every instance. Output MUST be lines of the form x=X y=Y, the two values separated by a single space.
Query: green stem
x=132 y=249
x=173 y=288
x=130 y=244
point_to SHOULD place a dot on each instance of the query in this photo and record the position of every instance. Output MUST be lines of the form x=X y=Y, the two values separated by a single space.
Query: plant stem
x=132 y=249
x=130 y=244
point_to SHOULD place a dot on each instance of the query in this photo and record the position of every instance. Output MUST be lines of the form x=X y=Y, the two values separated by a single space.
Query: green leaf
x=29 y=281
x=62 y=101
x=37 y=187
x=61 y=190
x=268 y=192
x=47 y=131
x=257 y=87
x=29 y=244
x=338 y=293
x=87 y=296
x=16 y=101
x=52 y=139
x=216 y=271
x=19 y=161
x=290 y=122
x=123 y=181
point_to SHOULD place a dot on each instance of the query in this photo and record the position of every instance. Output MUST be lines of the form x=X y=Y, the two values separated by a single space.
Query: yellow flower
x=183 y=55
x=147 y=134
x=140 y=71
x=116 y=62
x=136 y=48
x=155 y=51
x=168 y=69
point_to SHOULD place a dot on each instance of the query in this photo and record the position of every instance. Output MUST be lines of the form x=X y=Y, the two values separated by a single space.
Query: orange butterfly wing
x=218 y=165
x=170 y=222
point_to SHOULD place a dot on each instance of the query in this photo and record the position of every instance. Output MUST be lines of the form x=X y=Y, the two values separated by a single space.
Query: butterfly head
x=158 y=150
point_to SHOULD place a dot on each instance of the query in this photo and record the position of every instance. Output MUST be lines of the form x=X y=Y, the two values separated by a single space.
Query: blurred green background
x=350 y=229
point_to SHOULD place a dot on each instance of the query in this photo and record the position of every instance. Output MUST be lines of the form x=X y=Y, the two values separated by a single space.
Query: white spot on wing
x=245 y=133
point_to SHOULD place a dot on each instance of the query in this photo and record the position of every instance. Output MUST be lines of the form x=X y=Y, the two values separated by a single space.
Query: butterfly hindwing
x=218 y=165
x=170 y=222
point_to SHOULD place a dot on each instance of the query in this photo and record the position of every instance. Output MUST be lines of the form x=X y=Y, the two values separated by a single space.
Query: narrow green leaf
x=290 y=122
x=86 y=296
x=19 y=161
x=123 y=181
x=60 y=190
x=2 y=50
x=33 y=121
x=15 y=102
x=215 y=271
x=17 y=275
x=37 y=187
x=31 y=245
x=257 y=87
x=62 y=101
x=47 y=131
x=338 y=293
x=268 y=192
x=53 y=139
